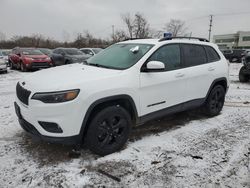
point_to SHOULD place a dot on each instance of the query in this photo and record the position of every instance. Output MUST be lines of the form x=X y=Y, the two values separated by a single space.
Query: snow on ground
x=182 y=150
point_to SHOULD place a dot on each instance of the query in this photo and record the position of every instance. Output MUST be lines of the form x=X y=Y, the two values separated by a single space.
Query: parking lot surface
x=183 y=150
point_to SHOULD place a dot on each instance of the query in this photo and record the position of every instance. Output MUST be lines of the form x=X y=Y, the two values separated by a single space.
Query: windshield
x=31 y=52
x=6 y=52
x=120 y=56
x=72 y=51
x=97 y=50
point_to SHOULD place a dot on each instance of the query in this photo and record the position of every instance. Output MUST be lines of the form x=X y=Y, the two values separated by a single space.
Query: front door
x=160 y=90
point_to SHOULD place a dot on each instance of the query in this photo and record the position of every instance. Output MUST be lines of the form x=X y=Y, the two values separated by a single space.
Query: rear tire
x=109 y=130
x=215 y=101
x=242 y=76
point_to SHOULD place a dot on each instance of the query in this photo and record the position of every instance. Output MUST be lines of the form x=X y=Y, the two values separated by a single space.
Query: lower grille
x=40 y=64
x=22 y=94
x=28 y=127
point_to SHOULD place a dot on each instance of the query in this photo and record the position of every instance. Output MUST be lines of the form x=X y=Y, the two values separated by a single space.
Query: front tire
x=12 y=67
x=215 y=101
x=242 y=76
x=109 y=130
x=23 y=67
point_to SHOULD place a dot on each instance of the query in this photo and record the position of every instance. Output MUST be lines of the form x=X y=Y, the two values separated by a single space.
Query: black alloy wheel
x=109 y=130
x=215 y=101
x=12 y=67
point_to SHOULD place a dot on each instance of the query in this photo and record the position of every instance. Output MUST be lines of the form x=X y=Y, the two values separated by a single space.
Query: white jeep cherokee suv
x=127 y=84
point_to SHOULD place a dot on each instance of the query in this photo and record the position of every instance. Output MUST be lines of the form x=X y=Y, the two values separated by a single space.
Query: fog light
x=50 y=127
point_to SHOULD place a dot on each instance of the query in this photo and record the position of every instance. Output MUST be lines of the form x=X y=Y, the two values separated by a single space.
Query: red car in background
x=25 y=59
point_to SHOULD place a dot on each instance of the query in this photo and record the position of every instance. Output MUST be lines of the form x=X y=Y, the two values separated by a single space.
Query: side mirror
x=63 y=54
x=154 y=66
x=18 y=54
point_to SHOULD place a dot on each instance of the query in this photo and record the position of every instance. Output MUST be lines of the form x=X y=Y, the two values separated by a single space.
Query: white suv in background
x=126 y=84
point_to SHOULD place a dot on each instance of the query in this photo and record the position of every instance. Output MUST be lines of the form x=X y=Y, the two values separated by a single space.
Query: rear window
x=212 y=55
x=72 y=51
x=194 y=54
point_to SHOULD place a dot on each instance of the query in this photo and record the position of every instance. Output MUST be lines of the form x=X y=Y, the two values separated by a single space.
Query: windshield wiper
x=98 y=65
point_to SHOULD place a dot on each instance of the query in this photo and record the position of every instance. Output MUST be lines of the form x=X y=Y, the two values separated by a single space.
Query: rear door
x=199 y=71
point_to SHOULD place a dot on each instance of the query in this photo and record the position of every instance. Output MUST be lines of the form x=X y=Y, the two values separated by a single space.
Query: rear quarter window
x=212 y=55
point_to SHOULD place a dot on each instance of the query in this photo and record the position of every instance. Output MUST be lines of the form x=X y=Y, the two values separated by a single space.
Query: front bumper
x=38 y=65
x=30 y=129
x=3 y=67
x=68 y=116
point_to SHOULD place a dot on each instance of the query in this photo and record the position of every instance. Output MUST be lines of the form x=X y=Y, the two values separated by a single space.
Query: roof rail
x=126 y=39
x=197 y=38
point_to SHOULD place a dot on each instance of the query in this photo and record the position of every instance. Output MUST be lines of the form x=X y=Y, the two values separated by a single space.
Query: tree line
x=136 y=26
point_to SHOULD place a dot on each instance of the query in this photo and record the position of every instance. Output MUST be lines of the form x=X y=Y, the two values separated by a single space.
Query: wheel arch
x=219 y=81
x=125 y=101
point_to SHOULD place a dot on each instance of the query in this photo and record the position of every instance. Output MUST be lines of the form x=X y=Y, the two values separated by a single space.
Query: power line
x=232 y=13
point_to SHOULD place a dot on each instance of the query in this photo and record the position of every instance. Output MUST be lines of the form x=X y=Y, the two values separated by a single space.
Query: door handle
x=179 y=75
x=211 y=69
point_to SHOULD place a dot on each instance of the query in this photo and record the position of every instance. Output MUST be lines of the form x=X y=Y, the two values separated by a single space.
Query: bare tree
x=65 y=36
x=129 y=23
x=37 y=38
x=2 y=36
x=176 y=27
x=119 y=35
x=137 y=27
x=141 y=26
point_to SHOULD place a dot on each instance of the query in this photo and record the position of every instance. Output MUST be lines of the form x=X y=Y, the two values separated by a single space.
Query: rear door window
x=194 y=55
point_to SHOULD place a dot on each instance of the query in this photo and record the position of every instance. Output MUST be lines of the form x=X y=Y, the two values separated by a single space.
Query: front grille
x=40 y=64
x=22 y=94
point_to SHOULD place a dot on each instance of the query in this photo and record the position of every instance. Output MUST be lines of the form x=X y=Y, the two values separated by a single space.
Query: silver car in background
x=5 y=54
x=3 y=65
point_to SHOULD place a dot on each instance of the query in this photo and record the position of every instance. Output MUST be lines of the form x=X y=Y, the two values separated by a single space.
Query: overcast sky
x=63 y=19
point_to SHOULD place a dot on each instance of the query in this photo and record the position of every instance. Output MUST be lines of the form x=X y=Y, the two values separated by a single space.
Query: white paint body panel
x=173 y=87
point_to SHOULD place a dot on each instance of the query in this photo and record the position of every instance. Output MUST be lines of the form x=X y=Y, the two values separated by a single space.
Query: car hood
x=65 y=77
x=36 y=56
x=78 y=56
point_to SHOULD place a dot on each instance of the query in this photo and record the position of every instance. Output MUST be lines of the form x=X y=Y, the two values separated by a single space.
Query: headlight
x=47 y=59
x=56 y=97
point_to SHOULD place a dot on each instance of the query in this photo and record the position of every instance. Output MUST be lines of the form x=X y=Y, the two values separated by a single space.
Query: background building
x=240 y=39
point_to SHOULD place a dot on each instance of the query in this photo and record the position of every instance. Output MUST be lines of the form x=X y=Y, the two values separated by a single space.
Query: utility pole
x=113 y=31
x=210 y=27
